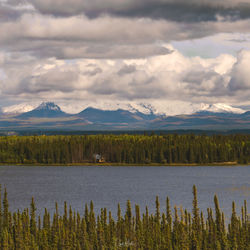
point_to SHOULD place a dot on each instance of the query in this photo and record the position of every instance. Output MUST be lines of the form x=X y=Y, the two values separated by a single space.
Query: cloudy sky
x=173 y=55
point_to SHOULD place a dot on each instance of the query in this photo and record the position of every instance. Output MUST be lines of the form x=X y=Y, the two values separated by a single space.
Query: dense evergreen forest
x=172 y=229
x=127 y=149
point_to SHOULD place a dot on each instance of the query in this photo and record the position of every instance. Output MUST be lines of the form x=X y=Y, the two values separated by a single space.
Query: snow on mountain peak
x=167 y=107
x=221 y=108
x=48 y=106
x=157 y=107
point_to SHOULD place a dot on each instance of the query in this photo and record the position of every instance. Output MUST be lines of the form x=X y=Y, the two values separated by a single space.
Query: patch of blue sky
x=213 y=46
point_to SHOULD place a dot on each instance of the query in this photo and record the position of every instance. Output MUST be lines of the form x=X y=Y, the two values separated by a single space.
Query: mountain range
x=49 y=116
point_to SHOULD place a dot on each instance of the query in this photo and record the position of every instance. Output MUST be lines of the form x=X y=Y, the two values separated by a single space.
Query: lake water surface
x=107 y=186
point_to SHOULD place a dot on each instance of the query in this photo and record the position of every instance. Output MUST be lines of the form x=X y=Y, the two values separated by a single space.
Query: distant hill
x=114 y=116
x=204 y=120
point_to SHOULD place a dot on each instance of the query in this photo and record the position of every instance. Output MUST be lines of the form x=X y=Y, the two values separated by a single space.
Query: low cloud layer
x=172 y=77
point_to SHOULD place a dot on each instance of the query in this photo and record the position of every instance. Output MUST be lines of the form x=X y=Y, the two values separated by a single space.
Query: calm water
x=107 y=186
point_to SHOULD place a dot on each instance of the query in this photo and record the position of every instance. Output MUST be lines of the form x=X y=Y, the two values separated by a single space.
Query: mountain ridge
x=49 y=115
x=141 y=107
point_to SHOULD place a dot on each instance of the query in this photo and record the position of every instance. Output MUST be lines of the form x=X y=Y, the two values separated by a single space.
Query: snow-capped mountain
x=133 y=116
x=44 y=110
x=167 y=108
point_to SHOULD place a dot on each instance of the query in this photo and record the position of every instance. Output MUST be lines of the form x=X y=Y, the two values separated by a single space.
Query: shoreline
x=216 y=164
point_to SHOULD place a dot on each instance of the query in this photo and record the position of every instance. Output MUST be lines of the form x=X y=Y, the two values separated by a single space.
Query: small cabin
x=99 y=158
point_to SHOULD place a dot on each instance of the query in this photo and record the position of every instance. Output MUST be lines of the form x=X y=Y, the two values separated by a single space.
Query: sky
x=174 y=56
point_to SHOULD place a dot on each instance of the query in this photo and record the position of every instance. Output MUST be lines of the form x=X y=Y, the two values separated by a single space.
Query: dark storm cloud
x=175 y=10
x=180 y=12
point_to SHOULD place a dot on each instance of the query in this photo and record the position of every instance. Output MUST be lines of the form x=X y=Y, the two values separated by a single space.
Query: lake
x=107 y=186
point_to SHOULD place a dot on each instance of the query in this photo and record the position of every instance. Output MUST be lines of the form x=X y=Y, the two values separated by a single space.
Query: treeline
x=168 y=230
x=127 y=149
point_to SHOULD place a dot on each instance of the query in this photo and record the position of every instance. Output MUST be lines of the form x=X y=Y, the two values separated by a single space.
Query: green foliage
x=127 y=149
x=23 y=230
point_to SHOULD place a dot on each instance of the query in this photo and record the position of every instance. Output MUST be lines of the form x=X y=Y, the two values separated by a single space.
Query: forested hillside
x=178 y=229
x=127 y=149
